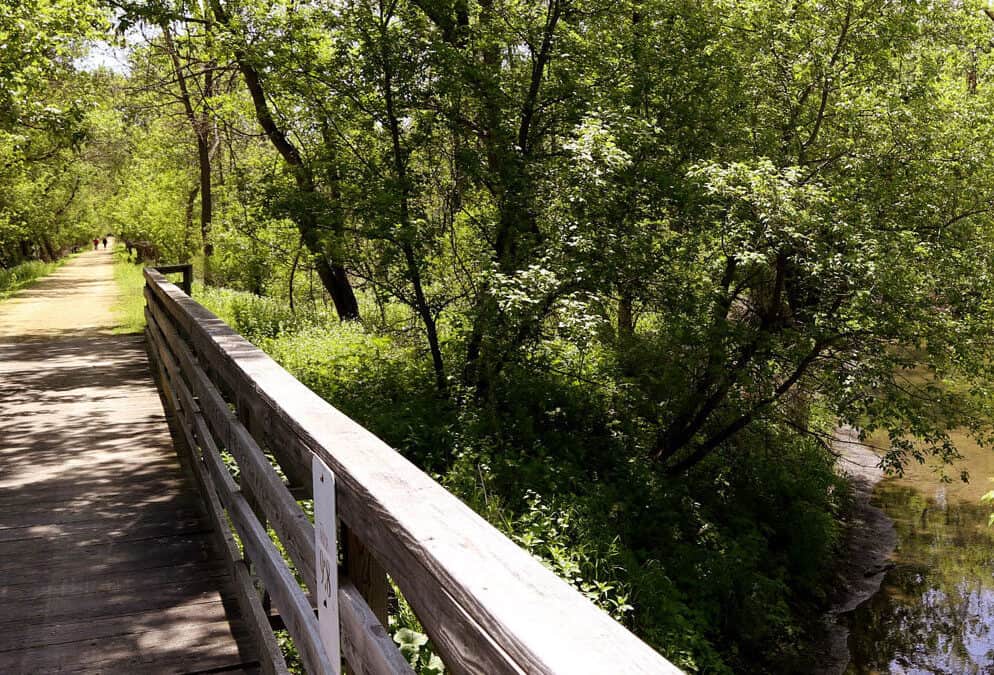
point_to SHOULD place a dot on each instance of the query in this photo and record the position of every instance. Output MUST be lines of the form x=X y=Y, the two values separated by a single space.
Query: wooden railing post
x=326 y=586
x=368 y=576
x=186 y=269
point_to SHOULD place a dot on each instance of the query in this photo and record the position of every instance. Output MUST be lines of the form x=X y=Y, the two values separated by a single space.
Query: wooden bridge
x=127 y=548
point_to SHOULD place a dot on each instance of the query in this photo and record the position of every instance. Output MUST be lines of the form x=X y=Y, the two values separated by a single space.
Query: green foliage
x=393 y=399
x=256 y=317
x=717 y=218
x=19 y=276
x=706 y=571
x=44 y=123
x=294 y=663
x=553 y=536
x=413 y=646
x=410 y=637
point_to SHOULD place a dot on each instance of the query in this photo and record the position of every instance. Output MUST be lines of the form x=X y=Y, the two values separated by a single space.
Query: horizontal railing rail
x=487 y=605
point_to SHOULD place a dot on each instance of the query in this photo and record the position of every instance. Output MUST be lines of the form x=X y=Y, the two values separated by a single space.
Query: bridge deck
x=106 y=559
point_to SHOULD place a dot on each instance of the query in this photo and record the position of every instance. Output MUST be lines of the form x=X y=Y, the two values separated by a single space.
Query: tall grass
x=261 y=318
x=130 y=306
x=19 y=276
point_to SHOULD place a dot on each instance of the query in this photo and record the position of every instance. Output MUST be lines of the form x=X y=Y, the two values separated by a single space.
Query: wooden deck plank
x=106 y=533
x=106 y=558
x=107 y=529
x=125 y=624
x=47 y=515
x=137 y=563
x=83 y=555
x=192 y=648
x=147 y=582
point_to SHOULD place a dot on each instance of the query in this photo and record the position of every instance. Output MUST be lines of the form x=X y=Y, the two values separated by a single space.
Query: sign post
x=326 y=563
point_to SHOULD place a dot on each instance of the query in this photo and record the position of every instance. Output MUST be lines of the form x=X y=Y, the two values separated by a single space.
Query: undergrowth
x=20 y=276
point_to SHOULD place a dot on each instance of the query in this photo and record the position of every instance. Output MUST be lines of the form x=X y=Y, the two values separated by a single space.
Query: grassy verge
x=130 y=307
x=20 y=276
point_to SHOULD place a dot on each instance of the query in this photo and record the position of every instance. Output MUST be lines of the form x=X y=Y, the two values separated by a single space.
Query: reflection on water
x=935 y=610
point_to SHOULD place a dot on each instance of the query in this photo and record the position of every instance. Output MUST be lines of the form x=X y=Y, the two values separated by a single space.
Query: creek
x=934 y=612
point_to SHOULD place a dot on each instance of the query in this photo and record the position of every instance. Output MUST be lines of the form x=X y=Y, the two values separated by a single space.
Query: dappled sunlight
x=73 y=301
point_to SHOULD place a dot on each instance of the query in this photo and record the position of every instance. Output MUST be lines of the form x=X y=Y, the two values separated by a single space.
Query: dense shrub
x=14 y=278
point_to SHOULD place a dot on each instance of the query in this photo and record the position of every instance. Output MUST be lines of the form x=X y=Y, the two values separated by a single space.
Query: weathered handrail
x=146 y=250
x=488 y=606
x=186 y=269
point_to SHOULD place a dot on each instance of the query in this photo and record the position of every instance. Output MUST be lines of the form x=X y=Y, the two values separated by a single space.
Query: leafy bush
x=14 y=278
x=410 y=637
x=555 y=537
x=257 y=318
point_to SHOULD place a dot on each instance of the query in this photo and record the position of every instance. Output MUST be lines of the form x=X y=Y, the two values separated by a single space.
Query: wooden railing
x=487 y=605
x=186 y=269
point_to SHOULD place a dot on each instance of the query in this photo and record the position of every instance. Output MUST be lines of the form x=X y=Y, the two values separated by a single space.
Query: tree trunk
x=330 y=266
x=626 y=321
x=407 y=228
x=201 y=129
x=293 y=274
x=46 y=246
x=206 y=204
x=191 y=199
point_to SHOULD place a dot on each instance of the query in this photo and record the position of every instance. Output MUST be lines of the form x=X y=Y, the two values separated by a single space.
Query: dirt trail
x=74 y=301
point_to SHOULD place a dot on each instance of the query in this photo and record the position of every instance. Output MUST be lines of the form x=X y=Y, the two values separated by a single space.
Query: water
x=935 y=610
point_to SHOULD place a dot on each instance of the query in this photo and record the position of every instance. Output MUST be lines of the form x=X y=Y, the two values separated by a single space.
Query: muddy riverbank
x=865 y=559
x=934 y=612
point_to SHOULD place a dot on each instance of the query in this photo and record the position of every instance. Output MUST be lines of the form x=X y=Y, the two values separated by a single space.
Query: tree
x=328 y=250
x=43 y=124
x=203 y=126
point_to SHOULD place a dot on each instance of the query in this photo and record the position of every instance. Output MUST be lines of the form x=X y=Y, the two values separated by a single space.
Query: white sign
x=326 y=562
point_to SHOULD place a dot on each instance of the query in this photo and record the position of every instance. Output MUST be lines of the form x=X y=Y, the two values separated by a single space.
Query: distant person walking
x=105 y=242
x=95 y=243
